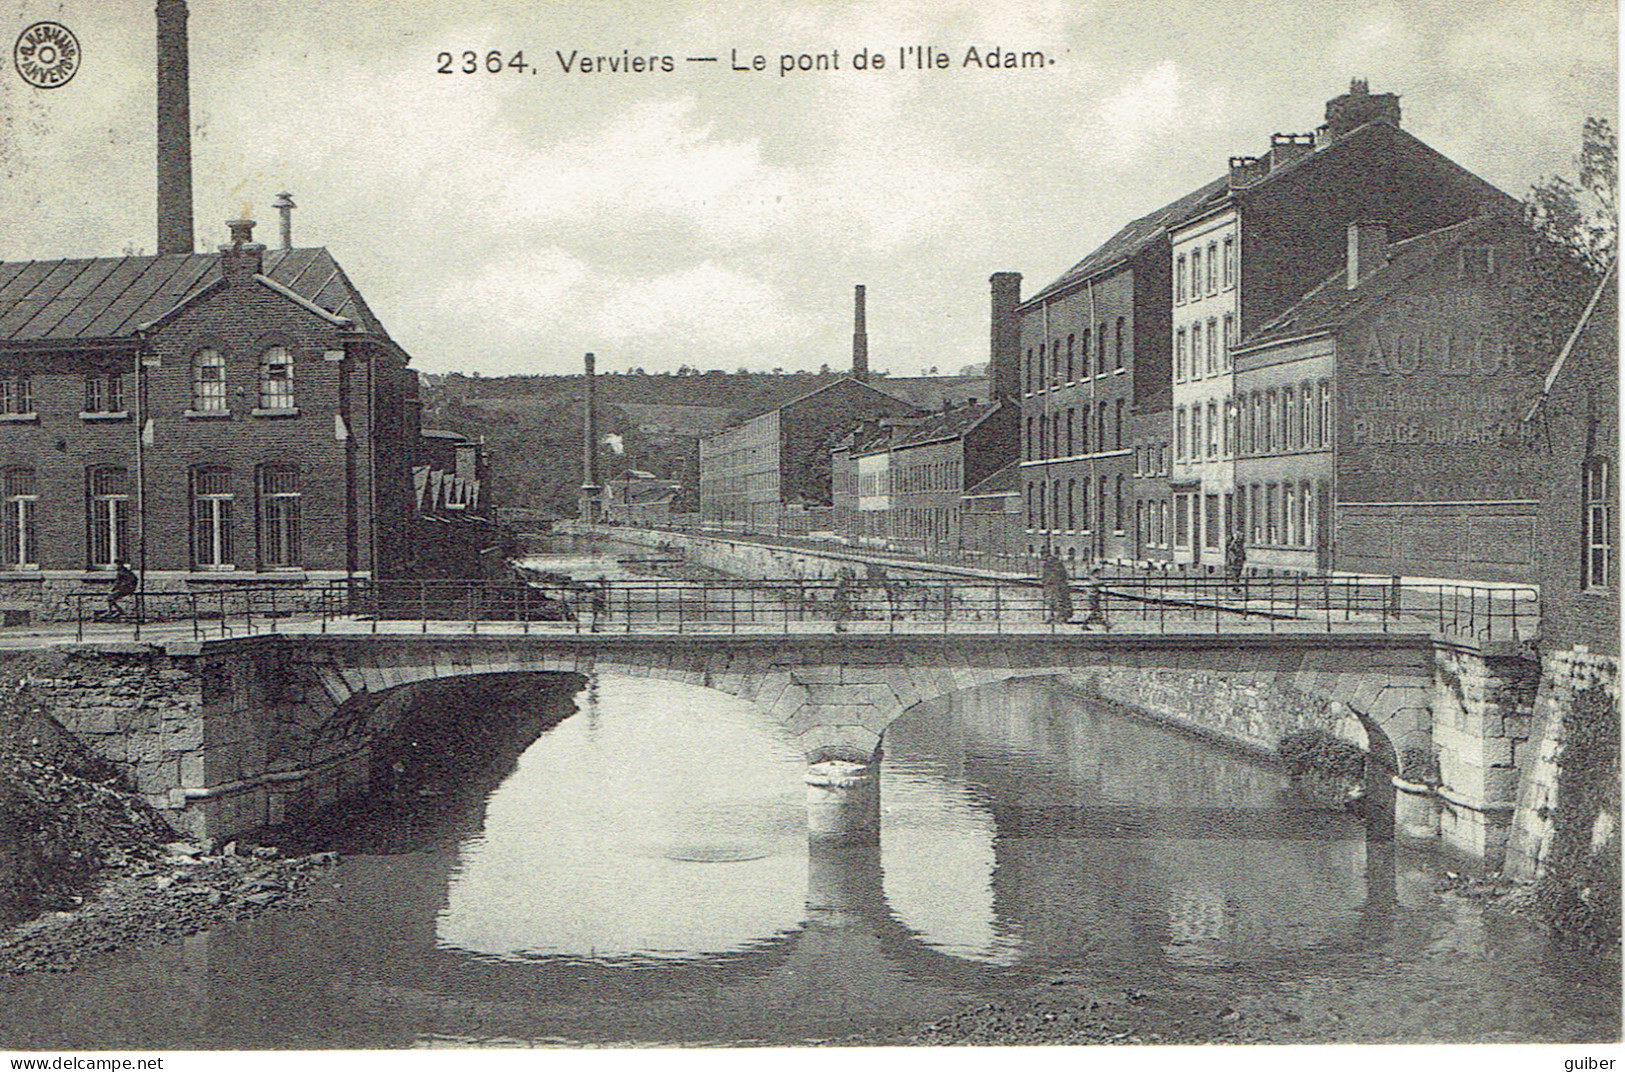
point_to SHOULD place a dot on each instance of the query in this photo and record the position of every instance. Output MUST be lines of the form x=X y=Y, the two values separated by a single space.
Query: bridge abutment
x=843 y=802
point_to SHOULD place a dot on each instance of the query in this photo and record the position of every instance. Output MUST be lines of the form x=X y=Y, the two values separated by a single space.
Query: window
x=1182 y=530
x=1027 y=369
x=1196 y=350
x=1325 y=393
x=16 y=396
x=1196 y=274
x=1031 y=452
x=211 y=518
x=1179 y=355
x=1071 y=512
x=1289 y=419
x=1100 y=428
x=1309 y=514
x=108 y=490
x=1070 y=340
x=1227 y=439
x=1179 y=280
x=1118 y=511
x=276 y=379
x=1212 y=267
x=1071 y=425
x=1100 y=350
x=1083 y=356
x=1272 y=514
x=208 y=382
x=1229 y=337
x=1230 y=261
x=1255 y=510
x=1118 y=439
x=21 y=504
x=1283 y=410
x=1210 y=506
x=1212 y=346
x=1306 y=417
x=1119 y=358
x=104 y=393
x=279 y=516
x=1212 y=429
x=1599 y=494
x=1289 y=524
x=1100 y=504
x=1179 y=434
x=1055 y=362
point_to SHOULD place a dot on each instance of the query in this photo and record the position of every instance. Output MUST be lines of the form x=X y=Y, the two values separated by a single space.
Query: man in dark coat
x=125 y=583
x=1057 y=588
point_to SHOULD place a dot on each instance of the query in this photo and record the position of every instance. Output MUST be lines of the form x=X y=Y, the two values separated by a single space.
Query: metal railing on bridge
x=1131 y=604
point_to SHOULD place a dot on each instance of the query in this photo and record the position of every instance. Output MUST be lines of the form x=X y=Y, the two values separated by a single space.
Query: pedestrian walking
x=1097 y=601
x=1235 y=558
x=1057 y=587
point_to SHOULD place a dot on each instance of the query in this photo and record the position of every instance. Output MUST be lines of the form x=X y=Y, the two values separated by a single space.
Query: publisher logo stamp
x=47 y=55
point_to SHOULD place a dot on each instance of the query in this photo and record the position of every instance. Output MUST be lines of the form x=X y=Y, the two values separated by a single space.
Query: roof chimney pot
x=243 y=258
x=284 y=205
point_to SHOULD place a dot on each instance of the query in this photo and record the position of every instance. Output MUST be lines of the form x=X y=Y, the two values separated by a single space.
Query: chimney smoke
x=860 y=337
x=174 y=131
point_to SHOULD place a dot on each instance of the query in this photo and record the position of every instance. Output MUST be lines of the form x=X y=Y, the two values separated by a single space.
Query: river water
x=626 y=861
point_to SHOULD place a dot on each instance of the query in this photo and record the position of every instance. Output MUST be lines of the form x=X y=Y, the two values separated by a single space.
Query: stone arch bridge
x=227 y=735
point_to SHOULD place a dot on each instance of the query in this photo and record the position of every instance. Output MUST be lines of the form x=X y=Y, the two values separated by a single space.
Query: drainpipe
x=1097 y=542
x=143 y=346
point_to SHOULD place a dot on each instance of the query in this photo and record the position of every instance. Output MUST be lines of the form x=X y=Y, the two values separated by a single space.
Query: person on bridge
x=1097 y=601
x=1057 y=587
x=1235 y=558
x=125 y=582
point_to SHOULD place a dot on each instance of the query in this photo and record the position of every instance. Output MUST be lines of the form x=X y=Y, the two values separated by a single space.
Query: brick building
x=990 y=518
x=1203 y=271
x=765 y=473
x=209 y=418
x=1380 y=418
x=1094 y=355
x=1575 y=424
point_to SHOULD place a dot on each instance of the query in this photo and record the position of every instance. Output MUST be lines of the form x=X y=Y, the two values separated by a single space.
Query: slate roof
x=1332 y=304
x=101 y=299
x=939 y=426
x=1138 y=235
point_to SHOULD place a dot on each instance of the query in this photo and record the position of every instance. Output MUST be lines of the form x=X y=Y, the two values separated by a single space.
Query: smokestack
x=589 y=446
x=174 y=131
x=284 y=204
x=860 y=337
x=1004 y=354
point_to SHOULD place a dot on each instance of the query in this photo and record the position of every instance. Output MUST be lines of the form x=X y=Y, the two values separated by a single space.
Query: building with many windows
x=767 y=472
x=230 y=417
x=1381 y=417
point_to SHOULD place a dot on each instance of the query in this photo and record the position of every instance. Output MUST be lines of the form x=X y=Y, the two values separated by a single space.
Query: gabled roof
x=1139 y=234
x=109 y=299
x=815 y=392
x=1005 y=481
x=1332 y=304
x=1134 y=238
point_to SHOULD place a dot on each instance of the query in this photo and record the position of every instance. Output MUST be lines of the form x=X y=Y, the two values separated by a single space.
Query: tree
x=1583 y=217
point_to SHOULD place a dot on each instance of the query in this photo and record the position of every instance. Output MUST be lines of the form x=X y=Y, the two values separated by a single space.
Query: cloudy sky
x=505 y=223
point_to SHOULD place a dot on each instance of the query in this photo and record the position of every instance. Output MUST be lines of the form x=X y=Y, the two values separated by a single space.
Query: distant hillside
x=532 y=424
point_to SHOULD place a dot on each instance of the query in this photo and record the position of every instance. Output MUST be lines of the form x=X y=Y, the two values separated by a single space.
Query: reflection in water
x=673 y=828
x=642 y=873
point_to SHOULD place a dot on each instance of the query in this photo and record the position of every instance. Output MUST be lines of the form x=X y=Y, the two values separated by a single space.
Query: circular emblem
x=47 y=55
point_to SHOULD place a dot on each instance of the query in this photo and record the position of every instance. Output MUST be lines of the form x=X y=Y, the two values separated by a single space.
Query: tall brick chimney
x=590 y=488
x=174 y=131
x=1368 y=250
x=1004 y=349
x=860 y=337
